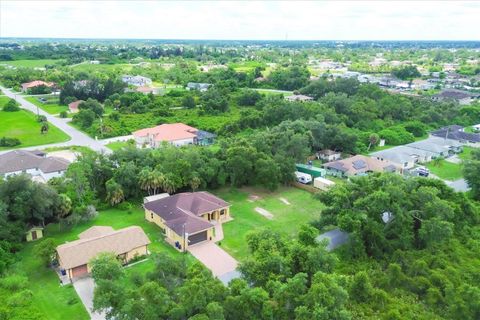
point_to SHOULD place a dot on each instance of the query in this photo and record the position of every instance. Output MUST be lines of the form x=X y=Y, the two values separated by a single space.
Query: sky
x=243 y=20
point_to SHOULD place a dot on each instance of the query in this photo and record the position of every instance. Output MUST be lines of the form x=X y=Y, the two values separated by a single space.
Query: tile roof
x=80 y=252
x=36 y=83
x=168 y=132
x=186 y=208
x=19 y=160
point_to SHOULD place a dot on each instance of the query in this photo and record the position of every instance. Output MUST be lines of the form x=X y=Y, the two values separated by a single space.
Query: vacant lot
x=56 y=302
x=287 y=219
x=24 y=126
x=31 y=63
x=445 y=170
x=51 y=105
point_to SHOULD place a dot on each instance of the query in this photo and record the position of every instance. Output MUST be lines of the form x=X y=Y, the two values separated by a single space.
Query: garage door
x=196 y=238
x=79 y=271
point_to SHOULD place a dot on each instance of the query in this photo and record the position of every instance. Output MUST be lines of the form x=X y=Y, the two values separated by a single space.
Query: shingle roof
x=360 y=164
x=186 y=208
x=456 y=132
x=19 y=160
x=80 y=252
x=95 y=231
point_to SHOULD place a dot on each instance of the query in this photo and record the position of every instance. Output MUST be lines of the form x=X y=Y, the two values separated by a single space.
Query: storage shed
x=311 y=170
x=34 y=233
x=322 y=183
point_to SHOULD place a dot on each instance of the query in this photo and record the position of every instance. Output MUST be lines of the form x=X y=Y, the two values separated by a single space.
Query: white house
x=138 y=81
x=34 y=163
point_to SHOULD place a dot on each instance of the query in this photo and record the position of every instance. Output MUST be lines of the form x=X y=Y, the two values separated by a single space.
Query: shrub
x=9 y=142
x=63 y=114
x=396 y=136
x=11 y=106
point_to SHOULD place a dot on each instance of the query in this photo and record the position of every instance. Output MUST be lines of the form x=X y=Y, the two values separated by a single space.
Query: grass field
x=446 y=170
x=117 y=145
x=124 y=67
x=286 y=218
x=30 y=63
x=51 y=106
x=57 y=302
x=273 y=92
x=24 y=126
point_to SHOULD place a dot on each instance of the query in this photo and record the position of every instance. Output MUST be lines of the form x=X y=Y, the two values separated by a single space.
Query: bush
x=9 y=142
x=396 y=136
x=63 y=114
x=11 y=106
x=41 y=118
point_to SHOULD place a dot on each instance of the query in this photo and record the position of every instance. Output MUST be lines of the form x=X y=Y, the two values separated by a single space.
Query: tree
x=11 y=106
x=46 y=250
x=114 y=192
x=307 y=235
x=188 y=102
x=373 y=140
x=106 y=266
x=195 y=183
x=44 y=128
x=406 y=72
x=471 y=172
x=64 y=205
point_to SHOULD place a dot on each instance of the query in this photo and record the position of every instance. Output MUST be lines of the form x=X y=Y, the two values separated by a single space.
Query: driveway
x=77 y=137
x=222 y=265
x=459 y=185
x=84 y=288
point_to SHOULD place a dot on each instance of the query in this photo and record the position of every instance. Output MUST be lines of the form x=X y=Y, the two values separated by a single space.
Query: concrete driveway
x=216 y=259
x=84 y=288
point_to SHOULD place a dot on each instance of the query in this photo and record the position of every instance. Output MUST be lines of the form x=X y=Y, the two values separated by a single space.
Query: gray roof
x=453 y=94
x=19 y=160
x=185 y=209
x=335 y=238
x=455 y=132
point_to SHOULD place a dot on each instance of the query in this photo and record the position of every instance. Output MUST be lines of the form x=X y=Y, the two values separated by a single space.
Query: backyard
x=57 y=302
x=23 y=125
x=447 y=170
x=51 y=105
x=289 y=209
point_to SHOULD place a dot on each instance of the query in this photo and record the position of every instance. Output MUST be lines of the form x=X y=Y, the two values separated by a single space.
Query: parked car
x=422 y=172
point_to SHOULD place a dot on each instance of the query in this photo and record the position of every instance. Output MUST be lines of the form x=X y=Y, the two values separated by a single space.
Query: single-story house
x=34 y=163
x=329 y=155
x=127 y=243
x=73 y=106
x=187 y=218
x=34 y=233
x=462 y=97
x=298 y=97
x=177 y=134
x=145 y=90
x=138 y=81
x=202 y=87
x=359 y=165
x=36 y=83
x=456 y=132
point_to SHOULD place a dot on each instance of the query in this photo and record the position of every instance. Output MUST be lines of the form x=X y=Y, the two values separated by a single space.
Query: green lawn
x=57 y=302
x=30 y=63
x=446 y=170
x=51 y=106
x=117 y=145
x=3 y=101
x=24 y=126
x=466 y=154
x=287 y=219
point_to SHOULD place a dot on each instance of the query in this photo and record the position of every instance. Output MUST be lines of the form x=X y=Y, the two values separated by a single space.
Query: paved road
x=85 y=287
x=77 y=138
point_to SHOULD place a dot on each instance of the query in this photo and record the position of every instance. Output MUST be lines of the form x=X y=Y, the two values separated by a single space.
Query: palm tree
x=115 y=193
x=144 y=180
x=168 y=185
x=157 y=181
x=195 y=183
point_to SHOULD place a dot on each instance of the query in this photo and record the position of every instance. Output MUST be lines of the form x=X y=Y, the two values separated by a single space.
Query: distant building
x=73 y=106
x=329 y=155
x=34 y=163
x=462 y=97
x=138 y=81
x=198 y=86
x=94 y=62
x=145 y=90
x=359 y=165
x=177 y=134
x=298 y=97
x=458 y=133
x=37 y=83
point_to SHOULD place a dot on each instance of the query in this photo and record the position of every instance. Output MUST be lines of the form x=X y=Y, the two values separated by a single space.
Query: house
x=74 y=257
x=138 y=81
x=37 y=83
x=462 y=97
x=187 y=218
x=177 y=134
x=34 y=163
x=328 y=155
x=359 y=165
x=73 y=106
x=34 y=233
x=94 y=62
x=145 y=90
x=202 y=87
x=298 y=97
x=456 y=132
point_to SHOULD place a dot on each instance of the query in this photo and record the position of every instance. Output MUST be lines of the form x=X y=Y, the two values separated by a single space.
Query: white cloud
x=326 y=20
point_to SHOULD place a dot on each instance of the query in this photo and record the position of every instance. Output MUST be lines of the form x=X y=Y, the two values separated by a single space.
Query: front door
x=34 y=235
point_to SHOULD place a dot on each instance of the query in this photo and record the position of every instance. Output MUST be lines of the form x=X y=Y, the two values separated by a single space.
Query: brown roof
x=80 y=252
x=361 y=164
x=186 y=208
x=19 y=160
x=73 y=106
x=95 y=231
x=36 y=83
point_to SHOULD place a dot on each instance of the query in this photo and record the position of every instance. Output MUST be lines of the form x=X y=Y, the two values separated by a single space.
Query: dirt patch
x=264 y=213
x=284 y=201
x=253 y=198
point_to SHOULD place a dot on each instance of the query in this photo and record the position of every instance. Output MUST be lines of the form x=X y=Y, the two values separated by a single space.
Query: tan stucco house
x=74 y=257
x=187 y=218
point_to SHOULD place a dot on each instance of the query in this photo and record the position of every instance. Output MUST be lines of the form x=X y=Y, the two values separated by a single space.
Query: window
x=151 y=215
x=222 y=212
